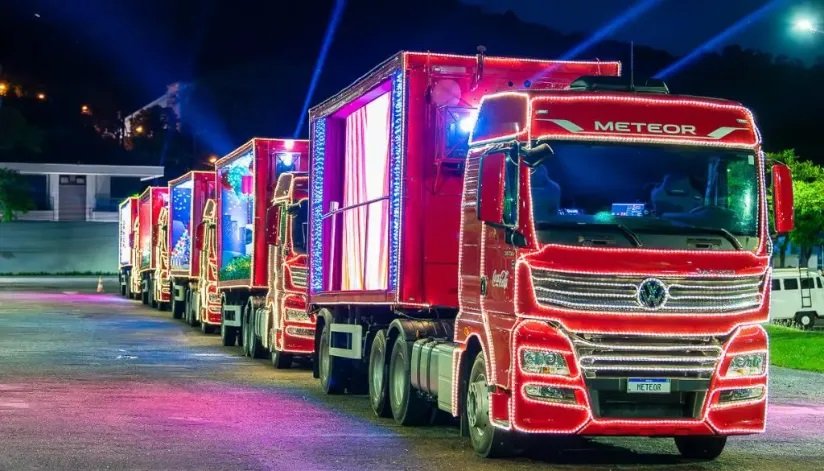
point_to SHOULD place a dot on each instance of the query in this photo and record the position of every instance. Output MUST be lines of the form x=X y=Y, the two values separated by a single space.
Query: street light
x=807 y=25
x=41 y=96
x=4 y=88
x=85 y=109
x=212 y=159
x=138 y=130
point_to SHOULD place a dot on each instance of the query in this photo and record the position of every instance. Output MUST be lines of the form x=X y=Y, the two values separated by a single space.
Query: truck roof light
x=618 y=84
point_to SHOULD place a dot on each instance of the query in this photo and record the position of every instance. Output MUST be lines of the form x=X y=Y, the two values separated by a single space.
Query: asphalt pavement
x=94 y=381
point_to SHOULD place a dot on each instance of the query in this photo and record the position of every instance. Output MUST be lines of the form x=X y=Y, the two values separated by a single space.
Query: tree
x=14 y=195
x=16 y=134
x=808 y=192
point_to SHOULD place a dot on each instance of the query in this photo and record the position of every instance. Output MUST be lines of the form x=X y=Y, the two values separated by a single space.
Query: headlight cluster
x=549 y=393
x=543 y=362
x=748 y=364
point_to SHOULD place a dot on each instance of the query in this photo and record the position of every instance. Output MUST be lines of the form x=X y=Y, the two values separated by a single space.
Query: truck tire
x=228 y=335
x=207 y=329
x=150 y=285
x=144 y=291
x=805 y=319
x=251 y=342
x=331 y=369
x=178 y=307
x=281 y=360
x=487 y=440
x=378 y=375
x=700 y=448
x=408 y=407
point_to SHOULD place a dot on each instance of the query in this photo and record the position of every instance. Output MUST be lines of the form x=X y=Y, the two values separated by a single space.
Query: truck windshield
x=644 y=195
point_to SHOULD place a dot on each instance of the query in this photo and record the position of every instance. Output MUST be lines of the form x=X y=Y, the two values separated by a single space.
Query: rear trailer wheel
x=331 y=369
x=252 y=344
x=408 y=407
x=700 y=448
x=487 y=440
x=378 y=374
x=281 y=360
x=207 y=328
x=178 y=307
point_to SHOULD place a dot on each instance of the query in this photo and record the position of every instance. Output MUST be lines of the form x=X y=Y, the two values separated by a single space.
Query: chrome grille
x=625 y=356
x=620 y=292
x=298 y=276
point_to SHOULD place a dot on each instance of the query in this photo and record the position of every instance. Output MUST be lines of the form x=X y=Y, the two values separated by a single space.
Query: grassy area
x=798 y=349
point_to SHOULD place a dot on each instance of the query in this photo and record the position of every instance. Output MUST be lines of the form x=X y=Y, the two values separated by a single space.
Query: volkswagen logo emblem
x=652 y=293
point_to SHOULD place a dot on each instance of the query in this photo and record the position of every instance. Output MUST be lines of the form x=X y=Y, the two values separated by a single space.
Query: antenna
x=632 y=65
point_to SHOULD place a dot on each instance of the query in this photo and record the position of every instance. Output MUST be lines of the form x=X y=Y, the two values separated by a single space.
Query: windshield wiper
x=720 y=231
x=626 y=231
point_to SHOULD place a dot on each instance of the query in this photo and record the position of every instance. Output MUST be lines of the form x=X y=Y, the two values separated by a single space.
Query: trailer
x=151 y=229
x=188 y=195
x=245 y=181
x=127 y=215
x=592 y=260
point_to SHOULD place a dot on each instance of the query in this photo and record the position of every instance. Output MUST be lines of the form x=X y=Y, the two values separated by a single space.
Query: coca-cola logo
x=500 y=279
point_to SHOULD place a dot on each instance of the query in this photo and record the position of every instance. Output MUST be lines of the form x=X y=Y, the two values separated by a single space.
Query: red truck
x=597 y=263
x=152 y=241
x=281 y=326
x=245 y=181
x=127 y=215
x=188 y=195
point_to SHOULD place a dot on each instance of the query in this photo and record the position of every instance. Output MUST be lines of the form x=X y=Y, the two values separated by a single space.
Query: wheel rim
x=477 y=407
x=805 y=320
x=377 y=362
x=398 y=379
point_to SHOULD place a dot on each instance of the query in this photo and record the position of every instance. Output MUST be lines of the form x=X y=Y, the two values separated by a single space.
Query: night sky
x=679 y=25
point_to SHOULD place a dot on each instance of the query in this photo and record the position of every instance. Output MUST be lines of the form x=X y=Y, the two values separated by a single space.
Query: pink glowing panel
x=366 y=170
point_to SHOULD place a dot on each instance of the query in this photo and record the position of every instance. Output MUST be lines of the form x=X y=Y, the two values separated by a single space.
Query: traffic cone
x=100 y=284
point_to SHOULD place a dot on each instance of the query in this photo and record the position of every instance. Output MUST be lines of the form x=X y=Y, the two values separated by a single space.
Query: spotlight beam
x=717 y=40
x=616 y=23
x=337 y=12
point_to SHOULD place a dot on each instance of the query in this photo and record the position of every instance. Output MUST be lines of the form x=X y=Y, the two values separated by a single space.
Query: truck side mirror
x=491 y=188
x=783 y=199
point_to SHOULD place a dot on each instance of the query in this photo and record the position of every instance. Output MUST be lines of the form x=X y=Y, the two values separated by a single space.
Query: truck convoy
x=188 y=195
x=245 y=180
x=127 y=215
x=533 y=247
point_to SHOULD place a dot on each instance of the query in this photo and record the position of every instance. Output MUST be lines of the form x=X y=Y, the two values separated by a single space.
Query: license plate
x=648 y=385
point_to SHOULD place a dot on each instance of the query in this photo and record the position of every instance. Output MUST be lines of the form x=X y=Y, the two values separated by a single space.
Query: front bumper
x=297 y=331
x=585 y=413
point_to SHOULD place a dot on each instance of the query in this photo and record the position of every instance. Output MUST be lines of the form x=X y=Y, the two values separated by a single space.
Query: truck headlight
x=543 y=362
x=748 y=364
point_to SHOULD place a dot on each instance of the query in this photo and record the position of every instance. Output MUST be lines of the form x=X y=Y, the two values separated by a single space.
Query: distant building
x=81 y=192
x=173 y=98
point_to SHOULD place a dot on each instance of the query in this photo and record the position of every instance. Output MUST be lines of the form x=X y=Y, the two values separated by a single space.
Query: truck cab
x=283 y=324
x=205 y=297
x=614 y=267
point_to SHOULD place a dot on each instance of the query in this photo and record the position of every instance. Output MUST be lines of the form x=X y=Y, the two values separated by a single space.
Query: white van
x=797 y=296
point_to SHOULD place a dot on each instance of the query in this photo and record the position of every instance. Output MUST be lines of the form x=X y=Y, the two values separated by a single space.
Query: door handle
x=483 y=285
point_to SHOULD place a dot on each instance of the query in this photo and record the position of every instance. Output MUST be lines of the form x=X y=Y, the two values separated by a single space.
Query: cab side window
x=807 y=283
x=776 y=285
x=791 y=283
x=818 y=282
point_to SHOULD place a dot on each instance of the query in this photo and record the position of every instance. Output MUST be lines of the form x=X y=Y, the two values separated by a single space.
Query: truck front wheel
x=178 y=307
x=408 y=408
x=487 y=440
x=700 y=448
x=280 y=360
